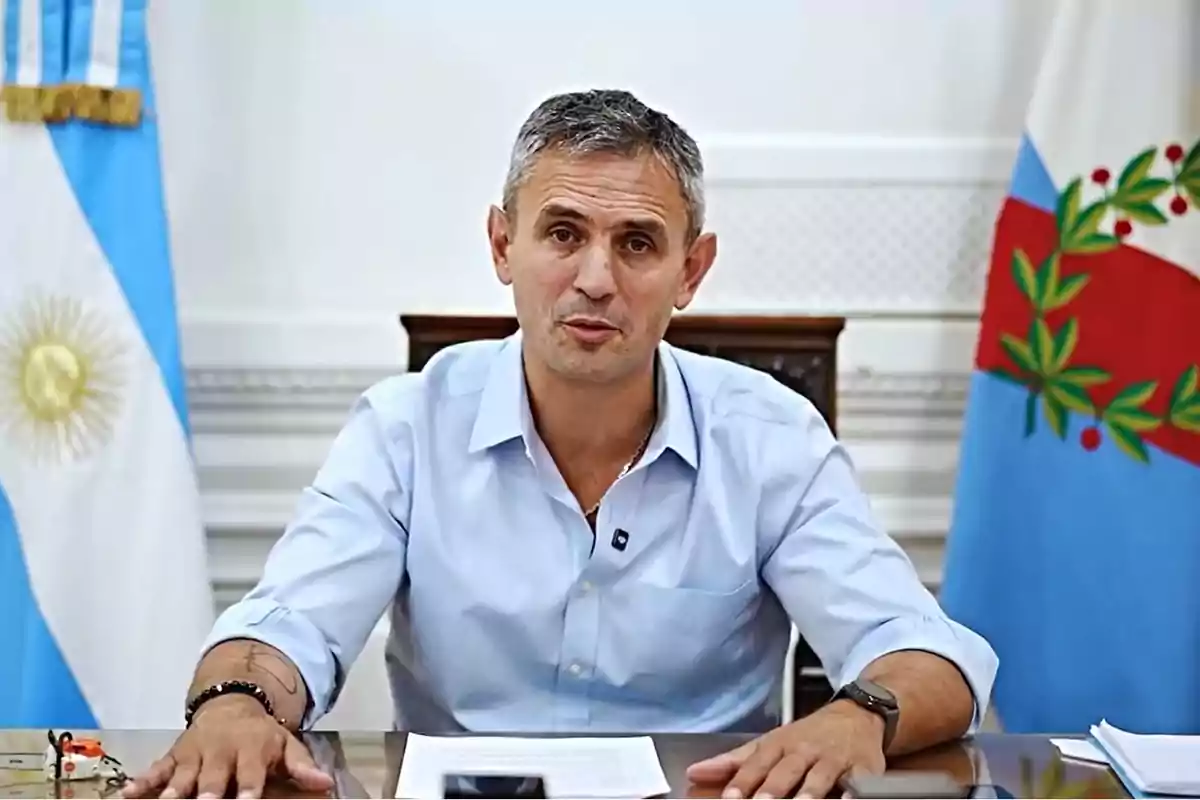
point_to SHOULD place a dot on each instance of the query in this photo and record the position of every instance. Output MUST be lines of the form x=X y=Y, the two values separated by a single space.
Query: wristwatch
x=877 y=700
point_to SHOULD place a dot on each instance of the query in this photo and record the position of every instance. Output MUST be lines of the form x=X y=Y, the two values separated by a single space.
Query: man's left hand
x=808 y=756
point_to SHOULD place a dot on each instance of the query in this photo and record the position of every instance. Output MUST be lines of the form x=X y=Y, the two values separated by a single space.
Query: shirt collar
x=676 y=428
x=504 y=414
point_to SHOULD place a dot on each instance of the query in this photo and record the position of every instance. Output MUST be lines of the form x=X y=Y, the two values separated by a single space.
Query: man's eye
x=639 y=244
x=562 y=235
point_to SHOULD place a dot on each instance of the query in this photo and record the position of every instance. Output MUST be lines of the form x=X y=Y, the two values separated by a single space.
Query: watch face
x=877 y=692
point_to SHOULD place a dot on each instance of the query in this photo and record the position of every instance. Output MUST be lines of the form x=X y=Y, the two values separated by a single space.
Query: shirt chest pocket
x=657 y=642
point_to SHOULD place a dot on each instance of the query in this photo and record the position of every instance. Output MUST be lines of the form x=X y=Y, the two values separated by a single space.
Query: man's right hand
x=232 y=743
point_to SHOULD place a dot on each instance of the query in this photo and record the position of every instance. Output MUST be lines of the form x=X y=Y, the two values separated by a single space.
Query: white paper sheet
x=583 y=768
x=1080 y=750
x=1156 y=764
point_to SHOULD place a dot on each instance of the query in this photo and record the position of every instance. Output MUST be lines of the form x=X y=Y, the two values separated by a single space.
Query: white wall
x=329 y=166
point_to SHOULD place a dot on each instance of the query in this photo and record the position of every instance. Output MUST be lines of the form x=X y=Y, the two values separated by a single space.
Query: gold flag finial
x=49 y=105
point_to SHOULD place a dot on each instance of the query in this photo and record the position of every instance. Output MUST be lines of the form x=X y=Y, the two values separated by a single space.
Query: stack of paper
x=1152 y=764
x=582 y=768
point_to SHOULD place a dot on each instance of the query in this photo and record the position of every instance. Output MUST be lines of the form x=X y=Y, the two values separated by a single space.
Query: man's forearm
x=261 y=664
x=936 y=703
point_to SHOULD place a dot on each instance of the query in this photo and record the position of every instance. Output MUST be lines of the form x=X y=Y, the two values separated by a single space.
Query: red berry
x=1179 y=206
x=1123 y=228
x=1101 y=176
x=1174 y=153
x=1090 y=438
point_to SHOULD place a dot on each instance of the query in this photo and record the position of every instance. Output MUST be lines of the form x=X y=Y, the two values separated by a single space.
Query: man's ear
x=700 y=258
x=498 y=239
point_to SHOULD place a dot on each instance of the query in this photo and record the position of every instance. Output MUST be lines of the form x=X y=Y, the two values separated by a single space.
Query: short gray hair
x=608 y=121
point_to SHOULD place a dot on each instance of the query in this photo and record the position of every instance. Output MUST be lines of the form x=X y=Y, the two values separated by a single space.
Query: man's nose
x=595 y=277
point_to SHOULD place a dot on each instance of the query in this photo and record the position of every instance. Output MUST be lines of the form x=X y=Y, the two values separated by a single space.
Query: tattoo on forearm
x=263 y=660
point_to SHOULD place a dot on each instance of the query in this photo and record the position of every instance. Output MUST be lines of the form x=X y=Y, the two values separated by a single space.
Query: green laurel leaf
x=1083 y=376
x=1128 y=441
x=1190 y=183
x=1066 y=211
x=1187 y=418
x=1047 y=279
x=1185 y=388
x=1133 y=418
x=1071 y=396
x=1133 y=396
x=1192 y=159
x=1064 y=345
x=1068 y=289
x=1019 y=351
x=1093 y=243
x=1056 y=414
x=1041 y=342
x=1145 y=213
x=1144 y=191
x=1025 y=276
x=1137 y=169
x=1087 y=224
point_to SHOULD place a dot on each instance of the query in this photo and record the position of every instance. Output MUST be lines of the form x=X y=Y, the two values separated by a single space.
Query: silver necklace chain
x=625 y=469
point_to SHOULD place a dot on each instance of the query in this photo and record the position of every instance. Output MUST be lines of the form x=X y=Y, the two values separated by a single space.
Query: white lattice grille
x=861 y=247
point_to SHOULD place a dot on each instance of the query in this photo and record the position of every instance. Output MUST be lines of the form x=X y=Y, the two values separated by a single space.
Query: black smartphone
x=903 y=784
x=474 y=787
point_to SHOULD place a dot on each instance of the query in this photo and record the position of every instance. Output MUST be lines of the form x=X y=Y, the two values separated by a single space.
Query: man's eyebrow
x=558 y=211
x=649 y=225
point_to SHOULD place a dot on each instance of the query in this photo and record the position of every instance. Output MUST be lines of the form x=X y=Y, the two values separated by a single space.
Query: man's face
x=598 y=255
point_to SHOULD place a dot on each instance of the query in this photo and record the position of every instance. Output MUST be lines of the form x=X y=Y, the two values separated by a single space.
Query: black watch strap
x=876 y=699
x=229 y=687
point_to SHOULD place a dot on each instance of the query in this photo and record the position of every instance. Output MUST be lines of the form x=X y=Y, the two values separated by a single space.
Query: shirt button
x=575 y=669
x=585 y=587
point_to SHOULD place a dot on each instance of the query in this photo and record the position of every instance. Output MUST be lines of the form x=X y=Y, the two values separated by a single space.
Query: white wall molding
x=798 y=159
x=823 y=224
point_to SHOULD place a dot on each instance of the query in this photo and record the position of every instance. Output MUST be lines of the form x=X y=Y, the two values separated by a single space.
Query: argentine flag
x=104 y=596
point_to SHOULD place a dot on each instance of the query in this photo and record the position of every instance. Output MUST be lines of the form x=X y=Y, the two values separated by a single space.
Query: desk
x=367 y=764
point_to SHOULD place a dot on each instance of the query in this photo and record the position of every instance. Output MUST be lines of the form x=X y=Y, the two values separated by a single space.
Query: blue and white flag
x=104 y=595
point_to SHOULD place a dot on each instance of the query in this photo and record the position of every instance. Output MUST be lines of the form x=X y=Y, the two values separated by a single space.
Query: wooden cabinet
x=800 y=352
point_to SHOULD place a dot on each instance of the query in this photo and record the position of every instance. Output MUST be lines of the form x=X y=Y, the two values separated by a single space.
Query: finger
x=152 y=779
x=821 y=778
x=752 y=772
x=215 y=771
x=251 y=774
x=302 y=768
x=722 y=767
x=183 y=781
x=785 y=776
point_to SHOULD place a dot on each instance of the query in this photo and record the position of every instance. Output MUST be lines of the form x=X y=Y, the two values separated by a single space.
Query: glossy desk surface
x=368 y=764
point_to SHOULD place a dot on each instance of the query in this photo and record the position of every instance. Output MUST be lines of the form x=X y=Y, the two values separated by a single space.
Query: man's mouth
x=590 y=330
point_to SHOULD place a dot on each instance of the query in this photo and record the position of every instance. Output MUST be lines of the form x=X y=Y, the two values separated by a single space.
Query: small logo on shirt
x=620 y=540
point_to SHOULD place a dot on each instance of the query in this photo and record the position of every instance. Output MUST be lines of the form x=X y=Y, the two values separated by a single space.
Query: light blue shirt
x=439 y=501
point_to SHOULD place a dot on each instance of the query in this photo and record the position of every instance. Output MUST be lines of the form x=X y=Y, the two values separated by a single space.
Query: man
x=581 y=528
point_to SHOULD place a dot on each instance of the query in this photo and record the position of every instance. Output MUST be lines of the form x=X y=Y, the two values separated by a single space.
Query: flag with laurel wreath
x=1075 y=540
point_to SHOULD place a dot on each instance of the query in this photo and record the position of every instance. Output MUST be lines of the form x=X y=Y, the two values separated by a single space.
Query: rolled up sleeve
x=330 y=577
x=849 y=588
x=938 y=635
